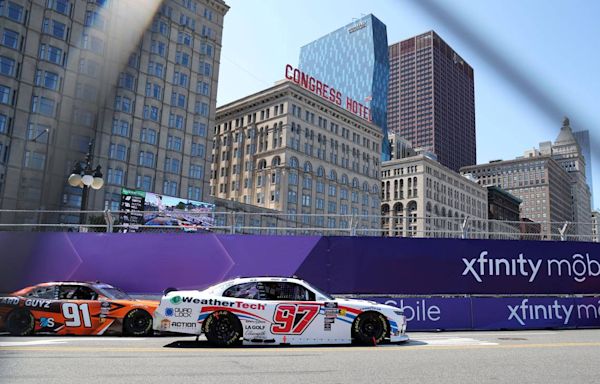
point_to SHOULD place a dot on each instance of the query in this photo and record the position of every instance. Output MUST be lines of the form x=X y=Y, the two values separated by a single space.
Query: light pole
x=86 y=177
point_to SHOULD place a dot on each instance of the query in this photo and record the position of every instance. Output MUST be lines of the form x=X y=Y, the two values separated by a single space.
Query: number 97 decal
x=293 y=319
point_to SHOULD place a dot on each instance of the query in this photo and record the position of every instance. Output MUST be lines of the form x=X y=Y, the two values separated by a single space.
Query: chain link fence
x=290 y=224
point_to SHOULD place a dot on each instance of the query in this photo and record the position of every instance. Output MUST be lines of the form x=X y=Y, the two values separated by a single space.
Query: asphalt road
x=452 y=357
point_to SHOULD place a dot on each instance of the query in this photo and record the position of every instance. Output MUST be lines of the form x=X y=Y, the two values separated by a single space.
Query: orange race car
x=75 y=308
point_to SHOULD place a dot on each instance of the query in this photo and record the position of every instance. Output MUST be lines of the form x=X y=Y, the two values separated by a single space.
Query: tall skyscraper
x=354 y=60
x=583 y=139
x=431 y=100
x=550 y=181
x=140 y=82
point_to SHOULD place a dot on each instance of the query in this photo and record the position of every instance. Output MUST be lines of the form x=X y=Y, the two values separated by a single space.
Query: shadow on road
x=206 y=344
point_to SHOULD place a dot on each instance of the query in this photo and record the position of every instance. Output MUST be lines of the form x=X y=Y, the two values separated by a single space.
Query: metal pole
x=84 y=199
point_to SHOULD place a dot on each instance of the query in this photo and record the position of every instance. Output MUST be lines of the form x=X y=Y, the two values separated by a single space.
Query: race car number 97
x=74 y=314
x=293 y=319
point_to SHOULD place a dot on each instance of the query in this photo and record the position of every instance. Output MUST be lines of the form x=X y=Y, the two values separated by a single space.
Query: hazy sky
x=534 y=60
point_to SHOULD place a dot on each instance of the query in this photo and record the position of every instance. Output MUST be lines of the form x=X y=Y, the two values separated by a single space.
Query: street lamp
x=86 y=177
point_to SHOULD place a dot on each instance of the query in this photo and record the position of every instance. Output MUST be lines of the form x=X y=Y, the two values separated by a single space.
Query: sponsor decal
x=178 y=312
x=165 y=324
x=254 y=327
x=333 y=313
x=175 y=300
x=327 y=327
x=357 y=27
x=580 y=267
x=46 y=322
x=38 y=303
x=329 y=321
x=420 y=311
x=9 y=300
x=343 y=312
x=330 y=304
x=526 y=311
x=183 y=324
x=105 y=304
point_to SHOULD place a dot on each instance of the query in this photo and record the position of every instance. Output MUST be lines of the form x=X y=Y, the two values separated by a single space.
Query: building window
x=198 y=150
x=148 y=135
x=51 y=54
x=196 y=171
x=34 y=160
x=60 y=6
x=205 y=68
x=115 y=176
x=12 y=10
x=5 y=95
x=203 y=88
x=43 y=106
x=3 y=125
x=194 y=193
x=172 y=165
x=176 y=121
x=7 y=66
x=182 y=58
x=117 y=151
x=144 y=183
x=199 y=129
x=156 y=69
x=174 y=143
x=158 y=48
x=146 y=159
x=55 y=28
x=170 y=188
x=180 y=78
x=201 y=108
x=123 y=104
x=126 y=80
x=94 y=19
x=47 y=79
x=120 y=127
x=154 y=91
x=151 y=113
x=10 y=39
x=292 y=196
x=206 y=49
x=184 y=38
x=178 y=100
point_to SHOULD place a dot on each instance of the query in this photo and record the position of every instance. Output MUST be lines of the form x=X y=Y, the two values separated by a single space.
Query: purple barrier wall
x=148 y=263
x=425 y=314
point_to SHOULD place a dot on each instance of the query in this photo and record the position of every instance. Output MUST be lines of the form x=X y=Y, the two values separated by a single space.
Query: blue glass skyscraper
x=354 y=59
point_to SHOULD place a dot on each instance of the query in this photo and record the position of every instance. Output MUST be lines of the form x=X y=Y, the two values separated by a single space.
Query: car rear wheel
x=137 y=323
x=370 y=328
x=20 y=322
x=223 y=329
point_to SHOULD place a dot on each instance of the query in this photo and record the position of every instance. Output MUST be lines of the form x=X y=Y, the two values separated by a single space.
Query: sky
x=535 y=61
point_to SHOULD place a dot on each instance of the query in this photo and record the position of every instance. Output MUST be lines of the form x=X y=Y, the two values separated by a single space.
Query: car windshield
x=114 y=293
x=318 y=291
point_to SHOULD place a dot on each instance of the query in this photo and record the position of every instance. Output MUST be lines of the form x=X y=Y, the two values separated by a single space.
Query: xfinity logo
x=580 y=268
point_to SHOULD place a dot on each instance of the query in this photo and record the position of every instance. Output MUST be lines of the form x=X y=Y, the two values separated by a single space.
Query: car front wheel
x=137 y=323
x=370 y=328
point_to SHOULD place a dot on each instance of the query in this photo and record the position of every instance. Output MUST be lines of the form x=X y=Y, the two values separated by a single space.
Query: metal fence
x=291 y=224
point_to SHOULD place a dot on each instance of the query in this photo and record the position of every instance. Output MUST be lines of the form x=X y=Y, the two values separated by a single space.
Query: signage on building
x=357 y=27
x=327 y=92
x=151 y=209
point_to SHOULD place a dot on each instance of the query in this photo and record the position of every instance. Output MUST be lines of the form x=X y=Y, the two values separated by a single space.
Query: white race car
x=270 y=310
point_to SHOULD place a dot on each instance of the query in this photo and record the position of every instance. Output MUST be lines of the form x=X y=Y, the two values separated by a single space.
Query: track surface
x=451 y=357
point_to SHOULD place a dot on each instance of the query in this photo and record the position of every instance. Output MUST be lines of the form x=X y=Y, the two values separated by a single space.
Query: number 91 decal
x=293 y=319
x=76 y=314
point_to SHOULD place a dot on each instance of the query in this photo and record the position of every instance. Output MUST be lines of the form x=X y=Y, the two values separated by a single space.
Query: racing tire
x=223 y=329
x=137 y=323
x=20 y=322
x=370 y=328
